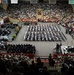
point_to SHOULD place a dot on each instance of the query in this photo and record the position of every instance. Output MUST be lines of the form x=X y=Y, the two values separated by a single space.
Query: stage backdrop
x=39 y=13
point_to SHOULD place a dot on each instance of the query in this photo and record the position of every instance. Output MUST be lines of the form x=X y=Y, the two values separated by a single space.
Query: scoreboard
x=6 y=1
x=14 y=1
x=71 y=1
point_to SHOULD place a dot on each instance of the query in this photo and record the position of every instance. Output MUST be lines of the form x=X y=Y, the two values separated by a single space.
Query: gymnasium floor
x=43 y=49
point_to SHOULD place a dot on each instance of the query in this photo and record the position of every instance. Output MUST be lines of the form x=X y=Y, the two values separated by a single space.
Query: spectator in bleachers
x=14 y=65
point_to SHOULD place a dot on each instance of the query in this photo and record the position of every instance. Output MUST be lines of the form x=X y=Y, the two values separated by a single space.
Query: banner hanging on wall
x=52 y=1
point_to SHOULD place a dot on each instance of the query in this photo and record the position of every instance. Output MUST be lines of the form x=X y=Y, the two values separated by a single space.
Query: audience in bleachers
x=9 y=31
x=63 y=15
x=68 y=66
x=26 y=10
x=13 y=64
x=21 y=65
x=68 y=23
x=49 y=13
x=70 y=29
x=10 y=25
x=32 y=10
x=3 y=13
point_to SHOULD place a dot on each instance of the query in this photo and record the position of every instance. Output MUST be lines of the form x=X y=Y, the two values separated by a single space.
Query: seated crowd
x=18 y=48
x=4 y=32
x=3 y=13
x=30 y=10
x=12 y=64
x=21 y=65
x=70 y=30
x=68 y=23
x=63 y=15
x=9 y=31
x=65 y=62
x=44 y=32
x=10 y=25
x=68 y=66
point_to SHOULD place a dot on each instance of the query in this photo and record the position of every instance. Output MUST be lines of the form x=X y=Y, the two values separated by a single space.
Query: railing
x=31 y=55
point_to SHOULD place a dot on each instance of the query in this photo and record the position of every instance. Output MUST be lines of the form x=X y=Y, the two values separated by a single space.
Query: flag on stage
x=14 y=1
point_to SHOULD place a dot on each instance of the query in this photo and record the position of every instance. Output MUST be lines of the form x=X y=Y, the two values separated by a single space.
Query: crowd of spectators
x=70 y=30
x=9 y=31
x=63 y=15
x=65 y=63
x=9 y=25
x=12 y=64
x=21 y=65
x=44 y=32
x=29 y=11
x=4 y=32
x=3 y=13
x=68 y=23
x=67 y=66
